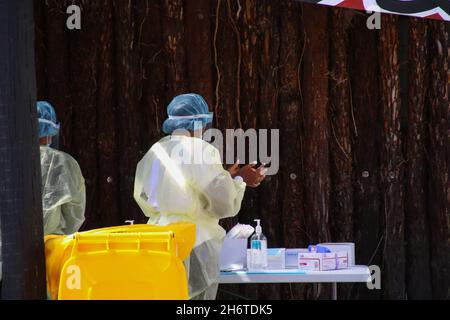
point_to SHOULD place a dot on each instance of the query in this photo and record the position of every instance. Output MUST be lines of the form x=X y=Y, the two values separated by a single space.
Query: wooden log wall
x=361 y=158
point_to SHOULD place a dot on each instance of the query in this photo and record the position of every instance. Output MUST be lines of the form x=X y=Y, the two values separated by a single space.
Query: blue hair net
x=188 y=112
x=47 y=120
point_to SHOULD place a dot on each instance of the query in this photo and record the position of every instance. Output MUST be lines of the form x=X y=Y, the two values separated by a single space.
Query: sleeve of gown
x=222 y=194
x=141 y=198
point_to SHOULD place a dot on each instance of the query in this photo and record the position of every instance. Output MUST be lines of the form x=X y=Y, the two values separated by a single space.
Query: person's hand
x=251 y=176
x=234 y=169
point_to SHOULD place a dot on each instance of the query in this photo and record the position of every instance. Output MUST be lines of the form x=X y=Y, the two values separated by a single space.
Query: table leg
x=334 y=291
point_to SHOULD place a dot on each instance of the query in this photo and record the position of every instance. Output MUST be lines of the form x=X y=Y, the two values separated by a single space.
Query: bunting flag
x=432 y=9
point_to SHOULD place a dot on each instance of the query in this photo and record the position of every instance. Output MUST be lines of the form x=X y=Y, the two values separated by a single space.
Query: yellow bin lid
x=123 y=262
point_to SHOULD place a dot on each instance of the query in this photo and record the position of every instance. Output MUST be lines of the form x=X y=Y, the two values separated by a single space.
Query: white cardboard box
x=313 y=261
x=342 y=246
x=291 y=257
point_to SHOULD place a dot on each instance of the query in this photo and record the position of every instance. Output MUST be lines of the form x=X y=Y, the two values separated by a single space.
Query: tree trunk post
x=20 y=173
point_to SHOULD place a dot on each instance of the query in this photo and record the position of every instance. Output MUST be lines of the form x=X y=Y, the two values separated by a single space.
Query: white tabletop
x=354 y=274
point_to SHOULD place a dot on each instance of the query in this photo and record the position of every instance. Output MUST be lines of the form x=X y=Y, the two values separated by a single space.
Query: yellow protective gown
x=63 y=192
x=182 y=179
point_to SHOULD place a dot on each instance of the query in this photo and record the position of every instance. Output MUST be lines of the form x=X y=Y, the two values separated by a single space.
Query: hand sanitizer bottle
x=258 y=249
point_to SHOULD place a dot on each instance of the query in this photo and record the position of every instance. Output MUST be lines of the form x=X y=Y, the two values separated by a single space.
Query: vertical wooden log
x=267 y=117
x=341 y=162
x=247 y=21
x=290 y=119
x=174 y=47
x=22 y=248
x=365 y=115
x=83 y=89
x=153 y=62
x=341 y=125
x=226 y=48
x=249 y=87
x=228 y=64
x=248 y=26
x=316 y=127
x=227 y=61
x=316 y=153
x=392 y=162
x=57 y=66
x=198 y=48
x=40 y=47
x=128 y=76
x=418 y=275
x=439 y=154
x=108 y=153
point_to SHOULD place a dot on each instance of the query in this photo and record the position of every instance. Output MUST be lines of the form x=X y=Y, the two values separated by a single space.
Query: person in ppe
x=63 y=186
x=173 y=183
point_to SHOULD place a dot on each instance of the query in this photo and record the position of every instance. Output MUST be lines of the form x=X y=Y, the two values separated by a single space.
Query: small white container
x=276 y=258
x=233 y=255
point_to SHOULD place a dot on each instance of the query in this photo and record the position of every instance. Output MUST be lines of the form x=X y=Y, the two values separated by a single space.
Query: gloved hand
x=251 y=176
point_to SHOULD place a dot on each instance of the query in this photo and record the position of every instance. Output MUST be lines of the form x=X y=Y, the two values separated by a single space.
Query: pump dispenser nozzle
x=258 y=228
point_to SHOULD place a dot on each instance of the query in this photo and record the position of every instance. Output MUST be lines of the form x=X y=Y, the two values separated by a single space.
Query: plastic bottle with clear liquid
x=258 y=249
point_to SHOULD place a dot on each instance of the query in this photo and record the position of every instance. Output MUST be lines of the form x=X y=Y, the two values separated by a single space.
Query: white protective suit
x=63 y=192
x=169 y=190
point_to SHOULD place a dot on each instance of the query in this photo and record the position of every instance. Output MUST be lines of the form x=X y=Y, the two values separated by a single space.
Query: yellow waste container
x=124 y=262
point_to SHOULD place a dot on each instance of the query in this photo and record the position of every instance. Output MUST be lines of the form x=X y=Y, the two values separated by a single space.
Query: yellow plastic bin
x=125 y=262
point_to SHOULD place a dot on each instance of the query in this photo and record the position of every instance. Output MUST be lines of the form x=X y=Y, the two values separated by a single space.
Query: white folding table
x=353 y=274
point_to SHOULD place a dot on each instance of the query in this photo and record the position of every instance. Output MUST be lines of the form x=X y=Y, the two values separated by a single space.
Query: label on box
x=341 y=260
x=316 y=261
x=292 y=257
